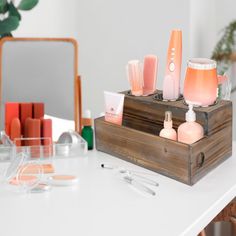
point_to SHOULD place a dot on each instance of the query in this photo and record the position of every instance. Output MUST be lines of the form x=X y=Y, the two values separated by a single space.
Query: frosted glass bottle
x=190 y=131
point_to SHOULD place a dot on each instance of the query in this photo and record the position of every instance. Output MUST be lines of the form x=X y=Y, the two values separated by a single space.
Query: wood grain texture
x=182 y=162
x=77 y=86
x=162 y=155
x=147 y=114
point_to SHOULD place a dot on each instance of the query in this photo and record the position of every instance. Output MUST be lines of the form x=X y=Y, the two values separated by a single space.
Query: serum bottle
x=87 y=131
x=190 y=131
x=168 y=131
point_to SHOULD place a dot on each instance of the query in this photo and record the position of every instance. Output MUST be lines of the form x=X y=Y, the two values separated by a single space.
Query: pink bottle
x=149 y=74
x=171 y=84
x=168 y=131
x=190 y=131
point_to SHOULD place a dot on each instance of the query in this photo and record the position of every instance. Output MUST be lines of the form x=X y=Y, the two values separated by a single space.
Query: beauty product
x=26 y=111
x=168 y=131
x=11 y=112
x=87 y=131
x=33 y=169
x=114 y=103
x=190 y=131
x=201 y=82
x=33 y=133
x=15 y=131
x=63 y=180
x=135 y=77
x=46 y=134
x=67 y=142
x=139 y=185
x=171 y=84
x=149 y=74
x=38 y=110
x=46 y=131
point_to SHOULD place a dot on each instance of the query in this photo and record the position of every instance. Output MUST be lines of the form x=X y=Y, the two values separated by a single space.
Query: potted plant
x=10 y=16
x=225 y=50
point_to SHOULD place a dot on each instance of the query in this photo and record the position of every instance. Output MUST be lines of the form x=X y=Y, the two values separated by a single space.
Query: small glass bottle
x=87 y=131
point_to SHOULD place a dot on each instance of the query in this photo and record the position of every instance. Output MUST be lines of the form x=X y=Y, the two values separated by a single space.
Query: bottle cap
x=87 y=121
x=190 y=116
x=87 y=114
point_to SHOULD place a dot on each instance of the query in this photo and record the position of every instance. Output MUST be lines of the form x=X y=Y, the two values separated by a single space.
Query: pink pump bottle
x=190 y=131
x=171 y=84
x=168 y=131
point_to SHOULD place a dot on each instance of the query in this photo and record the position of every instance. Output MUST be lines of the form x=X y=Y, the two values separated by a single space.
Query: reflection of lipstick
x=25 y=112
x=11 y=112
x=38 y=110
x=15 y=131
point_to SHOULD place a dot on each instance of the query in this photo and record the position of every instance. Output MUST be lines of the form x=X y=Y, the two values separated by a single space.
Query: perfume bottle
x=190 y=131
x=168 y=131
x=87 y=131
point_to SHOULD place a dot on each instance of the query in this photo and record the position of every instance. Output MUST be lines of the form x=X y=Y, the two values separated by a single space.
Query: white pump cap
x=87 y=114
x=190 y=116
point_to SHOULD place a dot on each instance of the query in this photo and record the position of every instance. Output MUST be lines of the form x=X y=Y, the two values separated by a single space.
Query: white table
x=102 y=204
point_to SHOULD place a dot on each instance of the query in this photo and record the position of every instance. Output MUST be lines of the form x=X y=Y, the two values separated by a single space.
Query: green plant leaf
x=3 y=6
x=9 y=24
x=13 y=11
x=26 y=5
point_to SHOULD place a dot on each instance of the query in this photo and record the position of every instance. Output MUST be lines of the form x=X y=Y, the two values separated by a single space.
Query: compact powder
x=24 y=179
x=63 y=177
x=63 y=180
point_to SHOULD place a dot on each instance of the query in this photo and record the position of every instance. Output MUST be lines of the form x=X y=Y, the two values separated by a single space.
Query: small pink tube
x=114 y=103
x=135 y=77
x=149 y=74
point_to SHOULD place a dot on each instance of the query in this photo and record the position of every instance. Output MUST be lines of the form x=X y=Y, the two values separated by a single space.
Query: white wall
x=110 y=33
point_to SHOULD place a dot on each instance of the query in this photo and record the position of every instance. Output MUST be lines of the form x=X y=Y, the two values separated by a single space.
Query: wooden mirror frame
x=77 y=79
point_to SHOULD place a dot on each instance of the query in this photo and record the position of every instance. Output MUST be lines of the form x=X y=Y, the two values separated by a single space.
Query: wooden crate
x=141 y=144
x=147 y=114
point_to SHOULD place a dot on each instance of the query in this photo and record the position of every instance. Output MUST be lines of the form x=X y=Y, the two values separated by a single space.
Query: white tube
x=114 y=103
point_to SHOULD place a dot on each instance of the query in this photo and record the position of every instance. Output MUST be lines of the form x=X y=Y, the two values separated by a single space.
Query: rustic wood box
x=147 y=114
x=137 y=141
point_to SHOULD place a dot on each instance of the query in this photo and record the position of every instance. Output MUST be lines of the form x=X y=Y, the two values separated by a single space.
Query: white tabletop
x=103 y=204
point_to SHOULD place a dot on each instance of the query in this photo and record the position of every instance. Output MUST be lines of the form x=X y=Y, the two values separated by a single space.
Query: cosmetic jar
x=201 y=82
x=68 y=143
x=17 y=175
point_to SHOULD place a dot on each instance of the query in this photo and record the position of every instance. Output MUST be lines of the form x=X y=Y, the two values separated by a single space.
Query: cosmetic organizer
x=137 y=140
x=43 y=152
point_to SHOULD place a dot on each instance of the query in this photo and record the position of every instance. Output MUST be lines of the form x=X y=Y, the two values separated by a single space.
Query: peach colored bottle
x=190 y=131
x=168 y=131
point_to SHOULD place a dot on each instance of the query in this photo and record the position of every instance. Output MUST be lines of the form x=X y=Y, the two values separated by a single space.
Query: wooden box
x=137 y=140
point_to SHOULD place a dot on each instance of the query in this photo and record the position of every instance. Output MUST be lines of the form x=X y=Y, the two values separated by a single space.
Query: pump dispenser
x=190 y=131
x=168 y=131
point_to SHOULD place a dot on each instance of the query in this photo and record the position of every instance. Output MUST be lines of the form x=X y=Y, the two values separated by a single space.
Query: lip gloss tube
x=33 y=132
x=38 y=110
x=11 y=112
x=149 y=74
x=135 y=77
x=25 y=112
x=15 y=131
x=46 y=133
